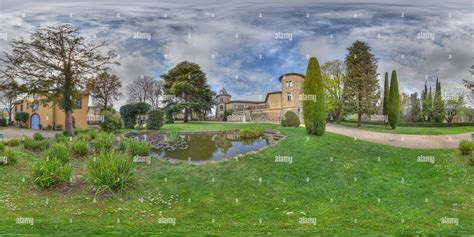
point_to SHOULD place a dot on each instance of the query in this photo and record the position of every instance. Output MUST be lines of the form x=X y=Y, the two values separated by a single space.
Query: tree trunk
x=9 y=118
x=185 y=115
x=338 y=115
x=359 y=120
x=69 y=123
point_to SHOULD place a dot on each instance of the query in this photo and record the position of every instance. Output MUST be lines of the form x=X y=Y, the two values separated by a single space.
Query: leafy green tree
x=438 y=104
x=386 y=93
x=188 y=83
x=394 y=102
x=55 y=62
x=453 y=107
x=362 y=90
x=334 y=78
x=314 y=110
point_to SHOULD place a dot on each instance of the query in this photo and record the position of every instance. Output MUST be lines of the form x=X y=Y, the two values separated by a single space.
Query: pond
x=205 y=146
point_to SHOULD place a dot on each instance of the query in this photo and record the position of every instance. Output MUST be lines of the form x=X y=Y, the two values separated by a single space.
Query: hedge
x=155 y=120
x=417 y=124
x=129 y=113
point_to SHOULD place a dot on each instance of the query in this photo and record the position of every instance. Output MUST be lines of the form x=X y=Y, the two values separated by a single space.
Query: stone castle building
x=271 y=109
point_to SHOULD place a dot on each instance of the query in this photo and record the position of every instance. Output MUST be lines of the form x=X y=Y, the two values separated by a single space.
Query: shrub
x=111 y=121
x=290 y=119
x=110 y=171
x=155 y=119
x=13 y=142
x=135 y=148
x=8 y=157
x=3 y=122
x=314 y=110
x=466 y=147
x=38 y=136
x=84 y=137
x=250 y=133
x=79 y=147
x=51 y=172
x=103 y=142
x=59 y=127
x=31 y=144
x=394 y=102
x=2 y=146
x=129 y=113
x=59 y=152
x=60 y=138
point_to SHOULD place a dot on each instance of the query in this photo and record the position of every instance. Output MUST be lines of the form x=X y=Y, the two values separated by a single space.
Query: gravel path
x=16 y=133
x=401 y=140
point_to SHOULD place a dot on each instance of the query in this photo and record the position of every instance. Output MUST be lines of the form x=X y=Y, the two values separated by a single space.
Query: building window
x=289 y=96
x=27 y=106
x=45 y=104
x=21 y=108
x=16 y=108
x=289 y=83
x=221 y=99
x=78 y=104
x=221 y=107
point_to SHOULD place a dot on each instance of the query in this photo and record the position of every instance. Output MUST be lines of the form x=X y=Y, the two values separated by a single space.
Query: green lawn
x=359 y=191
x=414 y=130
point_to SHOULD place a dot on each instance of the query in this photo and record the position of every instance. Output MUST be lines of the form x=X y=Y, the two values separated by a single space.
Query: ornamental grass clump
x=110 y=171
x=51 y=172
x=135 y=148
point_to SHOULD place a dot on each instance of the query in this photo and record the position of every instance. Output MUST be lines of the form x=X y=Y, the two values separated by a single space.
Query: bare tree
x=104 y=89
x=140 y=89
x=156 y=96
x=56 y=62
x=145 y=89
x=8 y=97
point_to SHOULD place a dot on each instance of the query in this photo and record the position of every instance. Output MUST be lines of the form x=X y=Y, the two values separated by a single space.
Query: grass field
x=348 y=186
x=413 y=130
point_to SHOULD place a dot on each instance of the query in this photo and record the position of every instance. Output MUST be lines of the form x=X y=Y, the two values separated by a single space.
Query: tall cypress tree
x=314 y=110
x=438 y=104
x=394 y=101
x=386 y=93
x=362 y=89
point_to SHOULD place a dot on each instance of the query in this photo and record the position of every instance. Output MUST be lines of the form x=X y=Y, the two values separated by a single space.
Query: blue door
x=35 y=121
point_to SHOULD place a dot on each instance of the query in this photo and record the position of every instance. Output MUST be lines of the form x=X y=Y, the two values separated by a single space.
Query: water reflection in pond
x=213 y=147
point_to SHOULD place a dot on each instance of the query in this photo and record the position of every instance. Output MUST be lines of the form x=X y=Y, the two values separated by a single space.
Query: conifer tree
x=394 y=102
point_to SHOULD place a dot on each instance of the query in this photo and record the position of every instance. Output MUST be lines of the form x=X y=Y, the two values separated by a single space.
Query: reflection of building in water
x=271 y=109
x=223 y=142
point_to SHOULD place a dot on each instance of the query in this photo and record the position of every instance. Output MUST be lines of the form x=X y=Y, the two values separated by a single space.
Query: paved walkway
x=15 y=133
x=401 y=140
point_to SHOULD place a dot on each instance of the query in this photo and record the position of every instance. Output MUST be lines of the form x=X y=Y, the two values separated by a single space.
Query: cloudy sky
x=246 y=45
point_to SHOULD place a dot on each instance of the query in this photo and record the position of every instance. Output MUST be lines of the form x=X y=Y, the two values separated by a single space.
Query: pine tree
x=362 y=90
x=394 y=102
x=314 y=110
x=386 y=92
